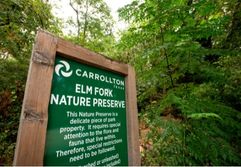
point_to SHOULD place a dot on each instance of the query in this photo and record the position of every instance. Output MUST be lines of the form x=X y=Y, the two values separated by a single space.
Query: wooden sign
x=79 y=108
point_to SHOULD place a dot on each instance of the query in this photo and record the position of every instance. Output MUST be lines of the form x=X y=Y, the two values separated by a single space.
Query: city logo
x=63 y=68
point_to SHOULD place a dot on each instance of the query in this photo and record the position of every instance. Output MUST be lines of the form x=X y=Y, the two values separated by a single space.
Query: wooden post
x=34 y=116
x=132 y=122
x=30 y=146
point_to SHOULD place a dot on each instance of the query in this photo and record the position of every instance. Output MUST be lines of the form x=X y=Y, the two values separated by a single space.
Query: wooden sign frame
x=31 y=138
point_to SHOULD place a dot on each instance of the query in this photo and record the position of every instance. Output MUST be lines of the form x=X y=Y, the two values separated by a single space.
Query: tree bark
x=77 y=17
x=233 y=40
x=85 y=20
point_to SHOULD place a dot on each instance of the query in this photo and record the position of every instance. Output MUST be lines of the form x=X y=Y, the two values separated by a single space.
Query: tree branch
x=77 y=17
x=167 y=61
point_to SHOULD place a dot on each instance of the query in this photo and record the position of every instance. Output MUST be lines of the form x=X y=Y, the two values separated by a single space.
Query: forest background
x=187 y=57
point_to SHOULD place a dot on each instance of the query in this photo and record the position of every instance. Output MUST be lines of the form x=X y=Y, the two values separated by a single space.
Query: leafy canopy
x=187 y=70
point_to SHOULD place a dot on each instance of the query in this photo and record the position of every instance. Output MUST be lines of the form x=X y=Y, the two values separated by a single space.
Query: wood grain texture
x=33 y=121
x=34 y=115
x=132 y=120
x=86 y=56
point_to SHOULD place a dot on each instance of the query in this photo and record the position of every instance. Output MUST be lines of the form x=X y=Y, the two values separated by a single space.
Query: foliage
x=19 y=21
x=188 y=71
x=11 y=96
x=187 y=59
x=18 y=24
x=191 y=131
x=94 y=25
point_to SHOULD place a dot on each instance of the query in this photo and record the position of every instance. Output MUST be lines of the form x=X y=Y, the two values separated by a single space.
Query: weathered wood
x=34 y=117
x=132 y=120
x=79 y=53
x=33 y=121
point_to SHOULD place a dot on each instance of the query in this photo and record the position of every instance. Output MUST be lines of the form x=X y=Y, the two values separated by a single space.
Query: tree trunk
x=77 y=17
x=85 y=20
x=233 y=40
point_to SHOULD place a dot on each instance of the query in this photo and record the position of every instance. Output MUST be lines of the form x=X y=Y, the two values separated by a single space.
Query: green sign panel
x=86 y=117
